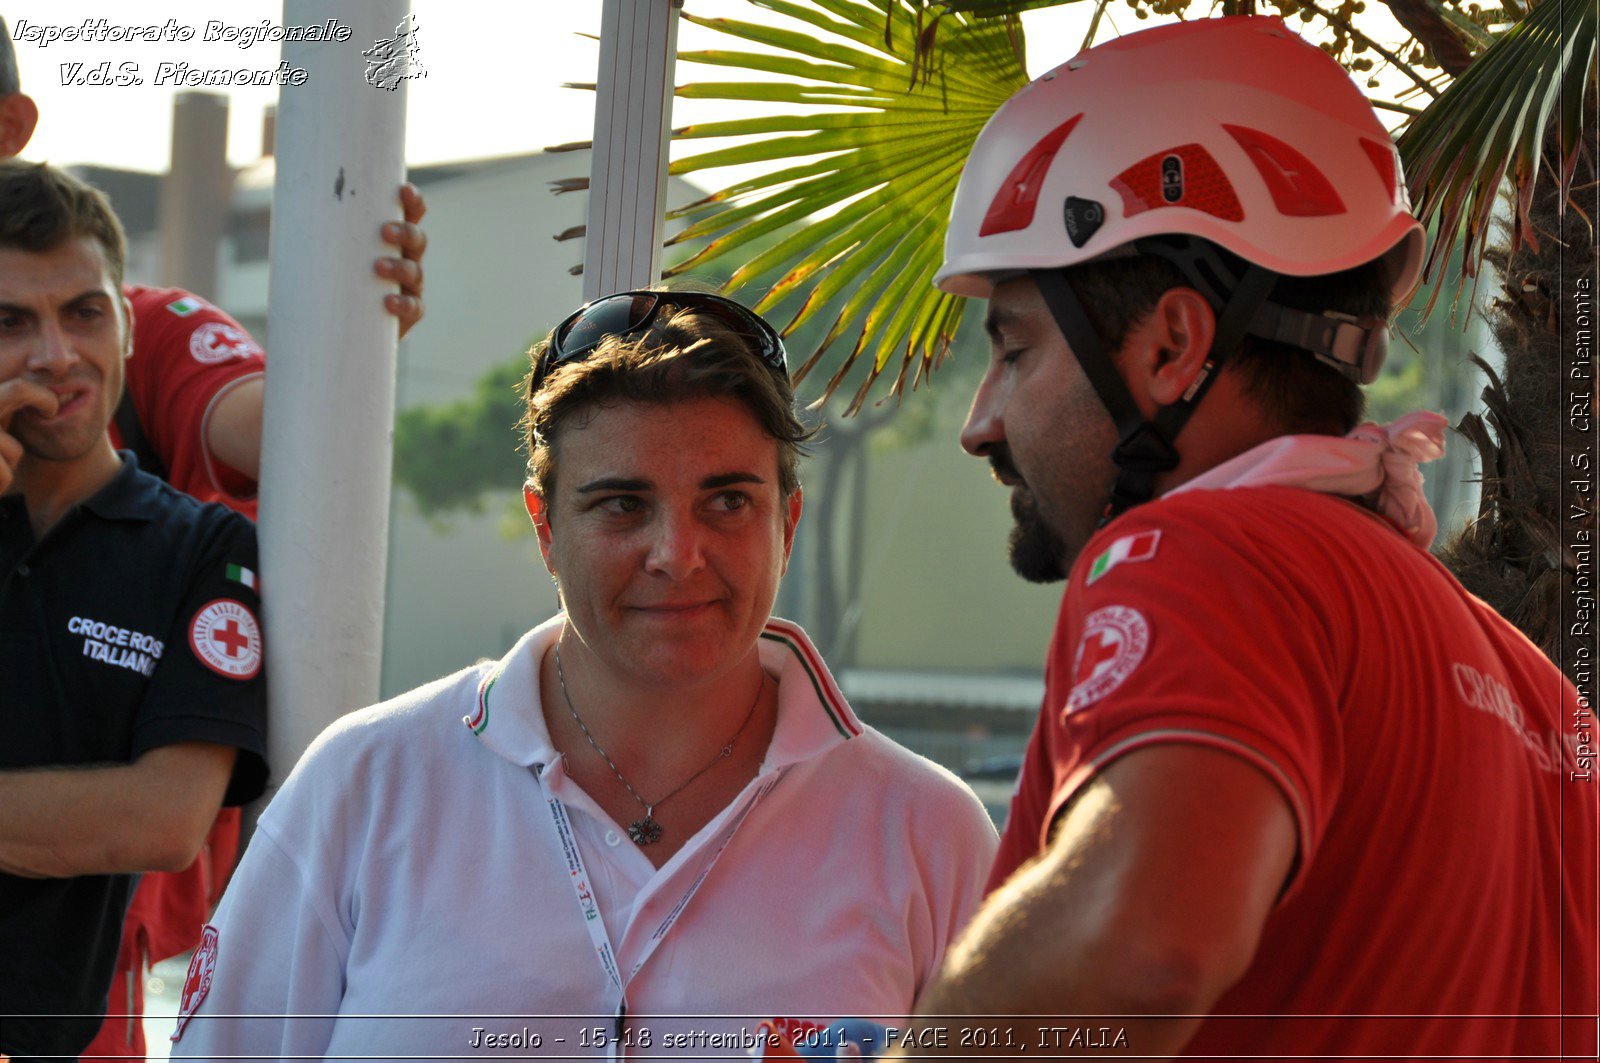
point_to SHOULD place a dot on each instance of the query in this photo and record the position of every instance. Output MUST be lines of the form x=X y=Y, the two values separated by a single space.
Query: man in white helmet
x=1292 y=787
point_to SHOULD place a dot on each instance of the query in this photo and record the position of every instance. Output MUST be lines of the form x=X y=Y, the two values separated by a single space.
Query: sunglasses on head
x=629 y=312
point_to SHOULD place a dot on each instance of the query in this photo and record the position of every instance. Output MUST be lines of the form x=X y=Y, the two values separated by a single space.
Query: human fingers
x=407 y=309
x=21 y=394
x=406 y=305
x=408 y=235
x=10 y=454
x=404 y=272
x=412 y=203
x=406 y=269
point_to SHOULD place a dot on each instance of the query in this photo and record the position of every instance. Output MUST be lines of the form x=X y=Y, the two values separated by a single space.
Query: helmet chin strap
x=1146 y=448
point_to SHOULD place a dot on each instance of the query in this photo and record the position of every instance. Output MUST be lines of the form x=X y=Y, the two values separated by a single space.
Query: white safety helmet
x=1228 y=133
x=1232 y=129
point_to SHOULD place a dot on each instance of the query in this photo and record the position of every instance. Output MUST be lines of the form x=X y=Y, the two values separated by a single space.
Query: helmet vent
x=1386 y=162
x=1013 y=205
x=1185 y=176
x=1298 y=188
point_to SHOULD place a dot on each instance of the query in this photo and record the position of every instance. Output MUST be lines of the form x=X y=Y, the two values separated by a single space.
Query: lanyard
x=595 y=925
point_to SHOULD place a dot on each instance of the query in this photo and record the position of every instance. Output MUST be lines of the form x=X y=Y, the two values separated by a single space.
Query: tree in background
x=450 y=456
x=843 y=232
x=893 y=92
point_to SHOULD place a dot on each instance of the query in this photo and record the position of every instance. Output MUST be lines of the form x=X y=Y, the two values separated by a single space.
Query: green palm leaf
x=992 y=8
x=1493 y=121
x=851 y=222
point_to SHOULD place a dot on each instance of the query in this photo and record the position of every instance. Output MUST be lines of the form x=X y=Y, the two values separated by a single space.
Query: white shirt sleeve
x=954 y=871
x=278 y=973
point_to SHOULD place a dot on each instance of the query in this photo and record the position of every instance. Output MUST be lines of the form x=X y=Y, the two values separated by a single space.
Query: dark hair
x=1306 y=395
x=10 y=76
x=42 y=208
x=680 y=357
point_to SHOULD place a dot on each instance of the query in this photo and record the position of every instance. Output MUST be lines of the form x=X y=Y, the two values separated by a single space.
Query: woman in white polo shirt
x=661 y=822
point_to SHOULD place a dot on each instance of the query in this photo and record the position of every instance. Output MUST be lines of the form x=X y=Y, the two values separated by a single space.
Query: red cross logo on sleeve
x=1096 y=649
x=1114 y=642
x=218 y=341
x=233 y=640
x=226 y=638
x=222 y=343
x=202 y=968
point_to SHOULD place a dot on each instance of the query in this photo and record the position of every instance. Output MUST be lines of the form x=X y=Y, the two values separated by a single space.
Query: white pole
x=329 y=422
x=632 y=123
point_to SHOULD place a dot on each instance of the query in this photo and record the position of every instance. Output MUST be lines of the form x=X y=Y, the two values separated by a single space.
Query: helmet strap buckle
x=1143 y=453
x=1355 y=346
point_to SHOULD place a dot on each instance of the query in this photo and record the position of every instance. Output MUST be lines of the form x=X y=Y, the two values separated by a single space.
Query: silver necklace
x=647 y=831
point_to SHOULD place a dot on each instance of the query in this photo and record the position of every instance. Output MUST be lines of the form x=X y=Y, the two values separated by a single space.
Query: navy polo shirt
x=133 y=624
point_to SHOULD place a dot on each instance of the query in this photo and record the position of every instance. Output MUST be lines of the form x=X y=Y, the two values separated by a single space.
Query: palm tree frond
x=996 y=8
x=848 y=228
x=1492 y=121
x=1480 y=36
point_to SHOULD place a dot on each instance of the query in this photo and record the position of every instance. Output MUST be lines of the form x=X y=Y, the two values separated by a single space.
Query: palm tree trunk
x=1530 y=554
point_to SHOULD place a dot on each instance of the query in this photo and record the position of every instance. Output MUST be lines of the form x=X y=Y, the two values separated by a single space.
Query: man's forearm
x=1149 y=902
x=150 y=815
x=1038 y=968
x=233 y=431
x=994 y=996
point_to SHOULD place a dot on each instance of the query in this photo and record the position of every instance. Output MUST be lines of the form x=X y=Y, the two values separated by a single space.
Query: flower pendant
x=644 y=831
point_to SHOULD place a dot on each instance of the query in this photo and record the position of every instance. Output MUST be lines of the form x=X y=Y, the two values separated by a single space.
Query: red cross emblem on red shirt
x=1098 y=648
x=227 y=339
x=233 y=640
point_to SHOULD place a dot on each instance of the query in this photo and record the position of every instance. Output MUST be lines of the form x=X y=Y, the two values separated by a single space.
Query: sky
x=493 y=84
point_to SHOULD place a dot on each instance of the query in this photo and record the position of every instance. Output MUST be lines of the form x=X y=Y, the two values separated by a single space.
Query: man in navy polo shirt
x=132 y=699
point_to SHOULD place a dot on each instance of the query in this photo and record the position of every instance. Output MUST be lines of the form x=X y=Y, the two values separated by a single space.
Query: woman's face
x=667 y=535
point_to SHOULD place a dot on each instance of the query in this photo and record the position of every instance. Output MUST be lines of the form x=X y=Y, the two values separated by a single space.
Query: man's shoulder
x=1267 y=520
x=149 y=295
x=157 y=309
x=1270 y=504
x=1228 y=554
x=172 y=324
x=175 y=512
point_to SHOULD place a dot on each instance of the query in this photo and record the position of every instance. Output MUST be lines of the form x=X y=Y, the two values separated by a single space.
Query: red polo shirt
x=1444 y=900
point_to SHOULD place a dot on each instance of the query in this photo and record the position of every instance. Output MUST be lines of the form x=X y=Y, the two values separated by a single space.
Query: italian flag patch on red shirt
x=1140 y=547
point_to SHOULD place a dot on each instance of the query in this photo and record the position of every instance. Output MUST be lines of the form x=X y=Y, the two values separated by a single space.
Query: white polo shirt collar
x=813 y=715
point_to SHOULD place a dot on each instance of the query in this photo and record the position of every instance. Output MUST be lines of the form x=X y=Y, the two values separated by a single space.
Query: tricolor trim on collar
x=480 y=719
x=829 y=696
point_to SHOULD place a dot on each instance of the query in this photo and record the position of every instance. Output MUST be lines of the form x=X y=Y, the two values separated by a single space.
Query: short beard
x=1034 y=548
